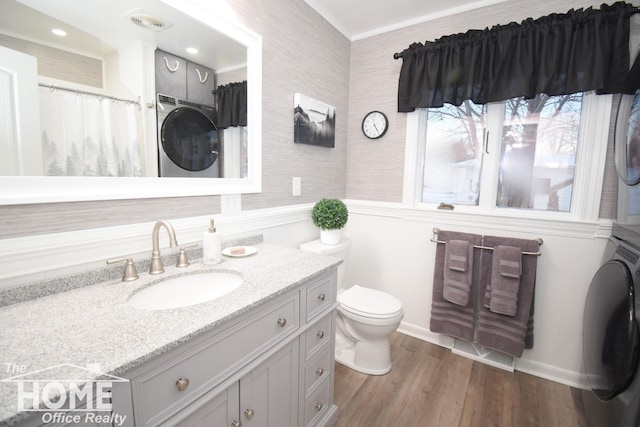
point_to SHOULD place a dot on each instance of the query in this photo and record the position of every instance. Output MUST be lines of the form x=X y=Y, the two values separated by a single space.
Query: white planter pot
x=330 y=237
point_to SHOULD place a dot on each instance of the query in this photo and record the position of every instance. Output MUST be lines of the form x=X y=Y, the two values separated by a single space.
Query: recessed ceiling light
x=59 y=32
x=192 y=50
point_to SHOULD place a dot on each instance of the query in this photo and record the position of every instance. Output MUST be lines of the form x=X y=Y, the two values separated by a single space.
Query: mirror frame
x=37 y=189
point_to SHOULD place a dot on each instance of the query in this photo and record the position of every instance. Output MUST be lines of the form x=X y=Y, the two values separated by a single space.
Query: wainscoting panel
x=392 y=252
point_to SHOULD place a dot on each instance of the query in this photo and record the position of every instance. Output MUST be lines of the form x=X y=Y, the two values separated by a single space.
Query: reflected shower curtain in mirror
x=86 y=135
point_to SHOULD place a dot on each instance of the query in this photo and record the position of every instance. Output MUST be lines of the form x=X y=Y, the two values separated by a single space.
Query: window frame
x=588 y=178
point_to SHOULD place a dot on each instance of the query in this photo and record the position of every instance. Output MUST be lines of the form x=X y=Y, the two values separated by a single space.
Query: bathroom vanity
x=261 y=355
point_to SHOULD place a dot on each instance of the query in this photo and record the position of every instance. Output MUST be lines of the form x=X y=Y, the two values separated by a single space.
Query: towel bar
x=488 y=248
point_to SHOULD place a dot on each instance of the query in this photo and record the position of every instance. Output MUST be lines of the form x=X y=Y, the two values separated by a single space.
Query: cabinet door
x=222 y=410
x=171 y=75
x=269 y=393
x=200 y=82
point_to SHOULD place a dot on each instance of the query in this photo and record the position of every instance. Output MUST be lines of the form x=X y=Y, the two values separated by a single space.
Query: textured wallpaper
x=302 y=53
x=375 y=168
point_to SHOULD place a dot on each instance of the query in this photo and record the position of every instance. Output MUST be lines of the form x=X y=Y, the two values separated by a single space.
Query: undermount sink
x=183 y=291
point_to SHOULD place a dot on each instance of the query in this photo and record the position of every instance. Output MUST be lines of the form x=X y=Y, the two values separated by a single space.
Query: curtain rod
x=398 y=55
x=82 y=92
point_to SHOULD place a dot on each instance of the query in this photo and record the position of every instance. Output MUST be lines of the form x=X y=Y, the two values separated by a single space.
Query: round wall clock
x=375 y=124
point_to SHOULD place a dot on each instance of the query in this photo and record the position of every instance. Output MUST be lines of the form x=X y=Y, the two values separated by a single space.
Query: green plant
x=330 y=214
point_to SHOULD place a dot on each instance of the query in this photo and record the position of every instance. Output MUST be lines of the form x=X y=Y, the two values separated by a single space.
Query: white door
x=20 y=140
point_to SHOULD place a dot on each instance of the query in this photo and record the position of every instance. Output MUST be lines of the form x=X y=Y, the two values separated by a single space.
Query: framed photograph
x=314 y=122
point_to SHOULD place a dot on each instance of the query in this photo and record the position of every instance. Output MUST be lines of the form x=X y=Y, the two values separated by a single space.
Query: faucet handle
x=182 y=256
x=130 y=274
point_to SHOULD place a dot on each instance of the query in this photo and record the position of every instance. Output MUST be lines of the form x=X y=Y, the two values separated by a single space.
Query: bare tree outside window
x=538 y=153
x=453 y=157
x=539 y=142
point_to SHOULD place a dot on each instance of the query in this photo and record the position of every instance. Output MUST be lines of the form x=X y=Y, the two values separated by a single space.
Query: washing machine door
x=610 y=330
x=189 y=138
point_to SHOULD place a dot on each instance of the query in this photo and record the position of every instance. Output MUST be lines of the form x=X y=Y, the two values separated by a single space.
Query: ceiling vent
x=149 y=22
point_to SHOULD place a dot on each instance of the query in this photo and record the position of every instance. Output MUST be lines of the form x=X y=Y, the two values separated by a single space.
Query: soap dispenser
x=211 y=245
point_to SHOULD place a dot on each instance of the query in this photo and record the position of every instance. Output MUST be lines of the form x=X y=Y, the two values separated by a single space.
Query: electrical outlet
x=230 y=203
x=297 y=185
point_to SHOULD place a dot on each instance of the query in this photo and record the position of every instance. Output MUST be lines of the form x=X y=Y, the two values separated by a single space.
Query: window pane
x=538 y=154
x=453 y=154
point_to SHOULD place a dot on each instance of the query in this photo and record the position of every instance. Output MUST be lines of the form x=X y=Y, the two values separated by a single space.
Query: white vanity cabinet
x=317 y=354
x=271 y=366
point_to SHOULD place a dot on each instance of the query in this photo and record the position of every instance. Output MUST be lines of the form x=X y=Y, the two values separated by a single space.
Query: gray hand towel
x=457 y=272
x=508 y=334
x=446 y=317
x=506 y=270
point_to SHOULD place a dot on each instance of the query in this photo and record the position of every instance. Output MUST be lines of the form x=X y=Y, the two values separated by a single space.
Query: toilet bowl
x=365 y=318
x=364 y=321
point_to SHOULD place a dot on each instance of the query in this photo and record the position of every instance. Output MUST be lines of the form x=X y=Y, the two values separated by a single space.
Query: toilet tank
x=341 y=250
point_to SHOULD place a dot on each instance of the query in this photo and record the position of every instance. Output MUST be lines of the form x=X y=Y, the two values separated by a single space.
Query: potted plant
x=330 y=215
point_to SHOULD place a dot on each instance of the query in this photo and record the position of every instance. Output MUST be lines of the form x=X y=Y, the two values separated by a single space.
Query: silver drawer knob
x=182 y=384
x=319 y=407
x=248 y=413
x=236 y=424
x=320 y=334
x=319 y=371
x=282 y=322
x=321 y=297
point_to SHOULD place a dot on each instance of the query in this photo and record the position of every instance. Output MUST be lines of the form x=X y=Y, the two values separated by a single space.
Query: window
x=453 y=154
x=525 y=155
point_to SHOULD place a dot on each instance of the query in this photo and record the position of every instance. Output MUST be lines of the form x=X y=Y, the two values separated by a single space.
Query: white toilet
x=364 y=320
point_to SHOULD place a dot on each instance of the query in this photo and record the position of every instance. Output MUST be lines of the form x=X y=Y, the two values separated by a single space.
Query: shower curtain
x=87 y=135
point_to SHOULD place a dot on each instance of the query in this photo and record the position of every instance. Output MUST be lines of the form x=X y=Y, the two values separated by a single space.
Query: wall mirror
x=102 y=76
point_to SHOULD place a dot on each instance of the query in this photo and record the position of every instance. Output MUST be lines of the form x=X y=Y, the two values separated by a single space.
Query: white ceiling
x=358 y=19
x=99 y=27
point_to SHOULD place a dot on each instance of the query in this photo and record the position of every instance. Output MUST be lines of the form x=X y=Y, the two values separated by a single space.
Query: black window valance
x=557 y=54
x=232 y=105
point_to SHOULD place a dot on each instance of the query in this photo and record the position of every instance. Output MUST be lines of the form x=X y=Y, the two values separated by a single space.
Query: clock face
x=375 y=124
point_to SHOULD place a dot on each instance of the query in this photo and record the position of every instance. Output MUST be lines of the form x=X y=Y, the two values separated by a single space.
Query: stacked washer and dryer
x=188 y=144
x=611 y=335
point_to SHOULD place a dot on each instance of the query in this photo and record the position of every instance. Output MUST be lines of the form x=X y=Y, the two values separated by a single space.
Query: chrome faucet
x=156 y=260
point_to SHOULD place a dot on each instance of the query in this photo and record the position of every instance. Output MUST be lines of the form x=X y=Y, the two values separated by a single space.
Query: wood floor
x=430 y=386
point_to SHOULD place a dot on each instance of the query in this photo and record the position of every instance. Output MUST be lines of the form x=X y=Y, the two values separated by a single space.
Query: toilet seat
x=369 y=303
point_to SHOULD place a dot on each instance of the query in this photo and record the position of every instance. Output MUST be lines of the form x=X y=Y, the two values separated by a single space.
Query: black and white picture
x=314 y=122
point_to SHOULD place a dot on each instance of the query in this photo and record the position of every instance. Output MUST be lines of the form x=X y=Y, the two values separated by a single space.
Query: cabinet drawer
x=156 y=393
x=318 y=335
x=320 y=295
x=317 y=370
x=317 y=406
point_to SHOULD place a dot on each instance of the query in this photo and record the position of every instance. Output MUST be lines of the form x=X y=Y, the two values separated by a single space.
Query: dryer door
x=189 y=138
x=610 y=330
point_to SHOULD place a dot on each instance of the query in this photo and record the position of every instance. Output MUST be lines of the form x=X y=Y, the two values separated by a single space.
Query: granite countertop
x=93 y=325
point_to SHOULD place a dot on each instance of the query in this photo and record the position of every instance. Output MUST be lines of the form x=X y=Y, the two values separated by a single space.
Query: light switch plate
x=230 y=203
x=297 y=185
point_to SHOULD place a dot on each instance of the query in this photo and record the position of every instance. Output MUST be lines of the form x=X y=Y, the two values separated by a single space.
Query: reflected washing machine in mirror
x=188 y=143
